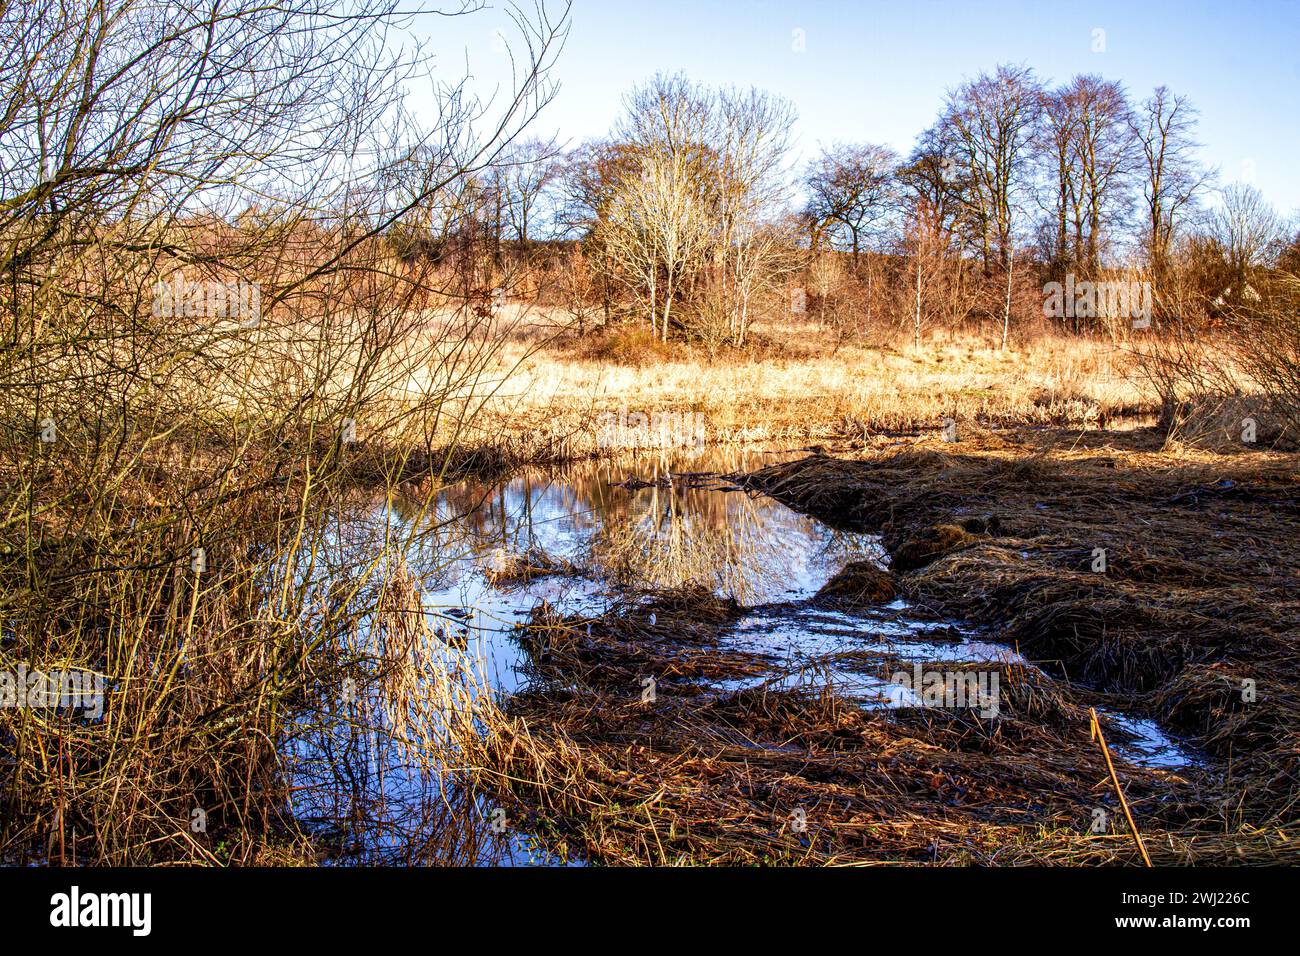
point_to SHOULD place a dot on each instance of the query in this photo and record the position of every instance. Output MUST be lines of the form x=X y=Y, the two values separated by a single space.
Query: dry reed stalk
x=1100 y=737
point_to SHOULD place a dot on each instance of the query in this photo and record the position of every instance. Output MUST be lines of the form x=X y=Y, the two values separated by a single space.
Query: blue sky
x=877 y=71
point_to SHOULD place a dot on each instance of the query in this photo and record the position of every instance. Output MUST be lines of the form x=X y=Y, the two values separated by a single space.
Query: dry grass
x=804 y=388
x=1196 y=597
x=858 y=584
x=790 y=776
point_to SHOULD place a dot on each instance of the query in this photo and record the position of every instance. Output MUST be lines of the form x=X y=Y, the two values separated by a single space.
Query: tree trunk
x=918 y=303
x=1006 y=309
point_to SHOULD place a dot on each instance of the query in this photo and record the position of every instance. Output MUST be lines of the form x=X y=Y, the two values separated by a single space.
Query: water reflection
x=656 y=521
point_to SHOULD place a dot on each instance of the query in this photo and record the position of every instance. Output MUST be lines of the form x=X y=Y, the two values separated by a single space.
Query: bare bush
x=206 y=339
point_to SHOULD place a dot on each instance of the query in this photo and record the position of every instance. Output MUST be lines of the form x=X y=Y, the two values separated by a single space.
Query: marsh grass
x=1181 y=624
x=215 y=674
x=814 y=392
x=804 y=774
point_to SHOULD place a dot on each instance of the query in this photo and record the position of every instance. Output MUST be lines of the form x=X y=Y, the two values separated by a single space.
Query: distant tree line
x=691 y=218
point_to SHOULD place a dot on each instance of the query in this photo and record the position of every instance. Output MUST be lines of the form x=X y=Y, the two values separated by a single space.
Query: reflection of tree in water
x=668 y=538
x=665 y=535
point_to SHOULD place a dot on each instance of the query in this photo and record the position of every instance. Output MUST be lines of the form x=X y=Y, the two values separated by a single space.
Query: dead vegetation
x=714 y=766
x=669 y=639
x=693 y=774
x=511 y=570
x=1169 y=583
x=859 y=584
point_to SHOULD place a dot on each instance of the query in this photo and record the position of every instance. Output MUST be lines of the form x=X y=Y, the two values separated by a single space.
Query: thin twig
x=1100 y=737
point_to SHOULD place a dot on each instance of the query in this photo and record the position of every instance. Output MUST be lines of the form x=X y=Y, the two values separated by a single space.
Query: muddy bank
x=1169 y=585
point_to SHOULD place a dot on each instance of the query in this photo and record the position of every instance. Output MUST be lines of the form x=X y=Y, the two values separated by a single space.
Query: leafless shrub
x=170 y=461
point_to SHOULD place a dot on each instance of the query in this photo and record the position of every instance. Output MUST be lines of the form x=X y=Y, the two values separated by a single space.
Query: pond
x=623 y=526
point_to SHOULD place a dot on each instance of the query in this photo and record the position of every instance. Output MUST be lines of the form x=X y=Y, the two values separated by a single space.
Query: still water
x=655 y=520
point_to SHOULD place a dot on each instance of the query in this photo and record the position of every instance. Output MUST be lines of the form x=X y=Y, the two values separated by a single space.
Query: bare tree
x=1172 y=179
x=1056 y=137
x=991 y=121
x=1103 y=148
x=1245 y=226
x=685 y=199
x=523 y=175
x=753 y=251
x=657 y=221
x=933 y=180
x=927 y=248
x=851 y=190
x=656 y=229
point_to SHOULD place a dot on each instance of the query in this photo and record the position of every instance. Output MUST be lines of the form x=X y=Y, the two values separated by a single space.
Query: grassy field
x=800 y=387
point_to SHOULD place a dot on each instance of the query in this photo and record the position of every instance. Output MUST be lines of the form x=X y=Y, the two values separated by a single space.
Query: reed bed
x=1190 y=616
x=261 y=702
x=805 y=388
x=697 y=774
